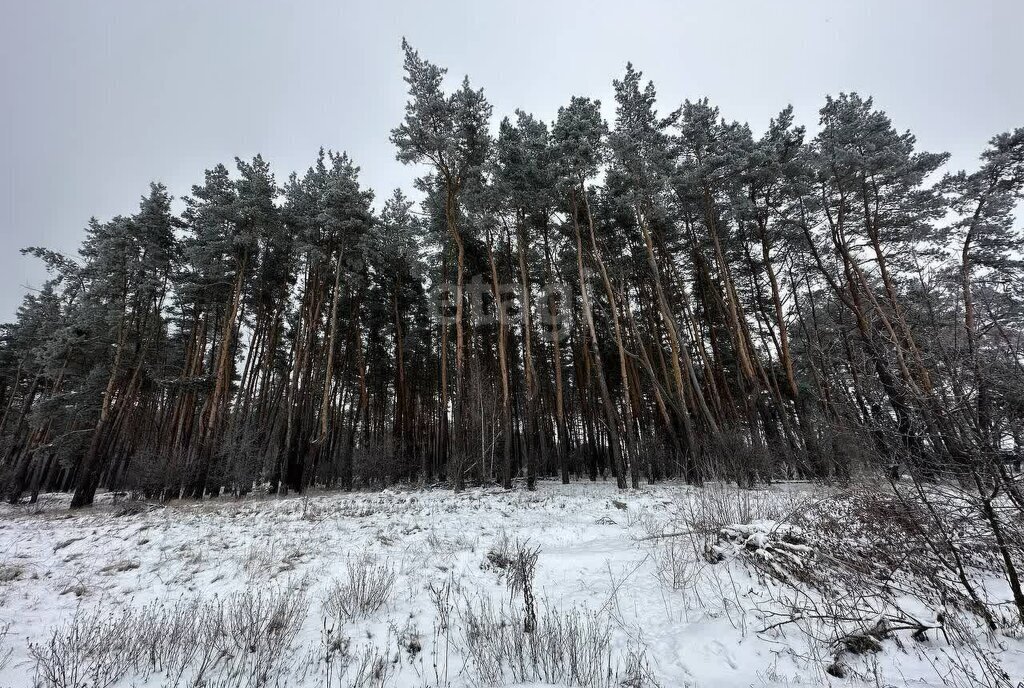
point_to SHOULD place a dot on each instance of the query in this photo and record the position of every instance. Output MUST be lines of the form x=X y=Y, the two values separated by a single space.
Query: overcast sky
x=101 y=97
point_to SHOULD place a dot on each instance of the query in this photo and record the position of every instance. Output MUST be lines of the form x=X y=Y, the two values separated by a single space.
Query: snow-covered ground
x=623 y=597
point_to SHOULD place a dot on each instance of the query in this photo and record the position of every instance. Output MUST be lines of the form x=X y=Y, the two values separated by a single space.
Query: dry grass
x=364 y=590
x=243 y=640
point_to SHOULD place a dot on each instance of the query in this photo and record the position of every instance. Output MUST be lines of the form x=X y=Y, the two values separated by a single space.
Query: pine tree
x=449 y=132
x=671 y=298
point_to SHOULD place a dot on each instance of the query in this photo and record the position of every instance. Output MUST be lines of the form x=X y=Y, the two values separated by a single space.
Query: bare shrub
x=336 y=661
x=260 y=627
x=173 y=636
x=94 y=649
x=5 y=651
x=638 y=672
x=334 y=648
x=442 y=597
x=872 y=550
x=499 y=556
x=718 y=505
x=677 y=562
x=971 y=663
x=260 y=559
x=408 y=639
x=683 y=542
x=366 y=587
x=370 y=669
x=243 y=640
x=572 y=647
x=938 y=551
x=521 y=571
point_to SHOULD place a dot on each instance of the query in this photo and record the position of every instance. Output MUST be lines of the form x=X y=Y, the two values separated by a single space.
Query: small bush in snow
x=571 y=648
x=499 y=557
x=366 y=587
x=94 y=649
x=260 y=628
x=371 y=669
x=521 y=571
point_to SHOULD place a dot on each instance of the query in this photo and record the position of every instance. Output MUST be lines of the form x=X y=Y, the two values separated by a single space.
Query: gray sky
x=99 y=98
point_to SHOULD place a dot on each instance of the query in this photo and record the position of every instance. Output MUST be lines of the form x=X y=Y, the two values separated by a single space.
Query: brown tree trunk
x=611 y=415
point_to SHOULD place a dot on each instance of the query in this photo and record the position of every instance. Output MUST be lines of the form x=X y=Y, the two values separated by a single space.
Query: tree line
x=665 y=296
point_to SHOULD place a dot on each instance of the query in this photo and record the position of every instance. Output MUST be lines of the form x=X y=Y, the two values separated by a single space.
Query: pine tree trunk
x=611 y=415
x=531 y=372
x=506 y=409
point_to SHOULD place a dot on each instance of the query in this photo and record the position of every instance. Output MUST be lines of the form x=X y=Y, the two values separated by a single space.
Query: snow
x=767 y=539
x=670 y=608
